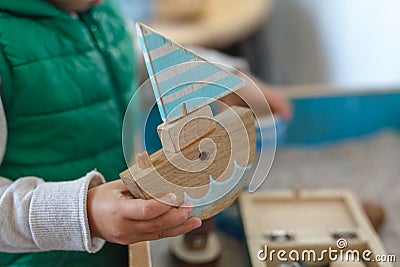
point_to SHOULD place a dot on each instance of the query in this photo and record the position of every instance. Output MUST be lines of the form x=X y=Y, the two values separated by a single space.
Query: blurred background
x=338 y=61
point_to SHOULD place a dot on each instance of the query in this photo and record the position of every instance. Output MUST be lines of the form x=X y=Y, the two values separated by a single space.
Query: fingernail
x=189 y=206
x=197 y=223
x=171 y=198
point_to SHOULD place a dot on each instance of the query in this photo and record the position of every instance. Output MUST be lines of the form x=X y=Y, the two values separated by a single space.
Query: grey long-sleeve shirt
x=38 y=216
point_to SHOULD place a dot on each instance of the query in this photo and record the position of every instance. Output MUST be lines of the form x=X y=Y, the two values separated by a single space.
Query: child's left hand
x=277 y=101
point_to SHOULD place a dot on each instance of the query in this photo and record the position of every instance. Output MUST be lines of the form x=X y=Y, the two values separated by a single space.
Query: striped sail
x=179 y=76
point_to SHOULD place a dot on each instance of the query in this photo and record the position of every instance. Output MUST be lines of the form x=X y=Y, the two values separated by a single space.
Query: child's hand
x=277 y=101
x=114 y=215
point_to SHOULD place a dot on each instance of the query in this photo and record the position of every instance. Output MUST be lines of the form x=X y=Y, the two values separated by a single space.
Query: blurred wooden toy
x=201 y=247
x=375 y=213
x=178 y=10
x=304 y=224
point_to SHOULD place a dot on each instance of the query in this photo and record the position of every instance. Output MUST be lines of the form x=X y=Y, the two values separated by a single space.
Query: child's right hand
x=115 y=216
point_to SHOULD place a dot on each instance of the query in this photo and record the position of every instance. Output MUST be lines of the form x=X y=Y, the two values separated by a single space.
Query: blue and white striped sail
x=179 y=76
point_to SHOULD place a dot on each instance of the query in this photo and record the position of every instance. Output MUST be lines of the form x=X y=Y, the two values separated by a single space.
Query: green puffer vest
x=66 y=84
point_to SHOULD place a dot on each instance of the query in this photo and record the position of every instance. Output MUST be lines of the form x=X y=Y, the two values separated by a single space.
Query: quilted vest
x=66 y=84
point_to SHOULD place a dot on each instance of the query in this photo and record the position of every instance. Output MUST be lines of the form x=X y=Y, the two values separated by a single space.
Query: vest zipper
x=98 y=38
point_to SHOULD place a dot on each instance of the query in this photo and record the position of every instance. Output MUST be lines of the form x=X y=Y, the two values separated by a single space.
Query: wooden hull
x=212 y=182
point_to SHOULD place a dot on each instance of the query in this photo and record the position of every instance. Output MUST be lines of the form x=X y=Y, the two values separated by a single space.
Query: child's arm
x=275 y=98
x=277 y=101
x=36 y=216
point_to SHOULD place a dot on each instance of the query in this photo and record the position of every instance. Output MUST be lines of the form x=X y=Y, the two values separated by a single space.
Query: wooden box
x=307 y=221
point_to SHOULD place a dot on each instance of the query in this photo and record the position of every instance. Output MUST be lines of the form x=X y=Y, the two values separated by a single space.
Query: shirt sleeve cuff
x=58 y=215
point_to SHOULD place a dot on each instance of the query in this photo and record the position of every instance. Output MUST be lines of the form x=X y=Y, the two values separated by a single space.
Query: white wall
x=347 y=42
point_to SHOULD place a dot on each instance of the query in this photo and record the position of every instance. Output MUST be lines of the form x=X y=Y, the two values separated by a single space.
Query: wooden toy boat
x=204 y=158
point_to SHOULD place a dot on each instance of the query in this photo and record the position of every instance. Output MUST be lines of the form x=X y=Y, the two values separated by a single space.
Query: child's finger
x=137 y=209
x=188 y=226
x=173 y=218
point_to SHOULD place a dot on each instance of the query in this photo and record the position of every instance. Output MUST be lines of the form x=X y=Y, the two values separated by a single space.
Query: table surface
x=368 y=166
x=222 y=23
